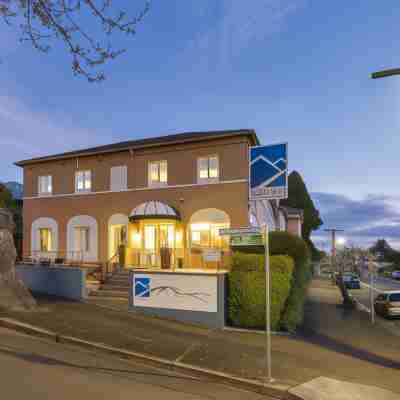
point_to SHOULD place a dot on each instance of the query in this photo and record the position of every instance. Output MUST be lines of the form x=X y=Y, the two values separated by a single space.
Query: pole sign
x=268 y=172
x=244 y=236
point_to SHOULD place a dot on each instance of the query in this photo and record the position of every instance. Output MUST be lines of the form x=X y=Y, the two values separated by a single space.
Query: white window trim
x=208 y=180
x=46 y=193
x=84 y=190
x=158 y=184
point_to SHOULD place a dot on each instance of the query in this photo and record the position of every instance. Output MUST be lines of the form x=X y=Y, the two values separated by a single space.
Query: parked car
x=351 y=281
x=387 y=304
x=396 y=275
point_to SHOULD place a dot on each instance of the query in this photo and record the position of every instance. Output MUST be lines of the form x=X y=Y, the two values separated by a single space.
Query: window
x=83 y=181
x=45 y=186
x=207 y=235
x=45 y=239
x=82 y=238
x=118 y=177
x=208 y=169
x=158 y=174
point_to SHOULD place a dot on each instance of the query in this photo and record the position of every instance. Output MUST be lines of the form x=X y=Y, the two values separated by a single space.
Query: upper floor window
x=207 y=169
x=45 y=186
x=118 y=178
x=83 y=181
x=158 y=173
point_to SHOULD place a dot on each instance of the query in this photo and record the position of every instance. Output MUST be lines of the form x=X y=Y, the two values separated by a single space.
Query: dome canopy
x=154 y=209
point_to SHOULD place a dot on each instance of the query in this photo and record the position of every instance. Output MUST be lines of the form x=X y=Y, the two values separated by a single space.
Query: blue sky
x=294 y=70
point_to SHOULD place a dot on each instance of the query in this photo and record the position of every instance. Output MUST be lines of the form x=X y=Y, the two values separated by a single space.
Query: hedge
x=246 y=300
x=288 y=244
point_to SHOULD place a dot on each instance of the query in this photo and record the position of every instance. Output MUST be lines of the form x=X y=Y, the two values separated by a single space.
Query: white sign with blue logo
x=268 y=172
x=176 y=291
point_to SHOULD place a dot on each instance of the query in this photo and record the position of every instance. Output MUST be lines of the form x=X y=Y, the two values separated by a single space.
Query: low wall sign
x=176 y=292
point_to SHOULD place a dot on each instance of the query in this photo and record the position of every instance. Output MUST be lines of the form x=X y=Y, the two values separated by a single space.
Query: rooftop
x=147 y=142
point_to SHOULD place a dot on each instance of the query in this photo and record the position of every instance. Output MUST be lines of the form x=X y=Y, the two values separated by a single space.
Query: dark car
x=351 y=281
x=388 y=304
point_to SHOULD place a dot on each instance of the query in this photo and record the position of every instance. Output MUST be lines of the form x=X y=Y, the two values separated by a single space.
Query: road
x=363 y=297
x=39 y=369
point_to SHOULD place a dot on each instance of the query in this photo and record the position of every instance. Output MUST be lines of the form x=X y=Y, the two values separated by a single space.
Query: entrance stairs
x=115 y=290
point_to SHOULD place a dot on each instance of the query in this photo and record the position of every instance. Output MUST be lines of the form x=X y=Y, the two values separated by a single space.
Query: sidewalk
x=334 y=344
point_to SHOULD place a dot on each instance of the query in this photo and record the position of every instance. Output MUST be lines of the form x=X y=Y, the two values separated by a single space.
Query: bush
x=295 y=247
x=246 y=301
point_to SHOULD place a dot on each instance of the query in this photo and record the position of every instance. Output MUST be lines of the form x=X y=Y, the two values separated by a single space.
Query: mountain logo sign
x=269 y=172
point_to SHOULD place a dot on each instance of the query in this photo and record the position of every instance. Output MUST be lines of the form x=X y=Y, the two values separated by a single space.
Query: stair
x=114 y=289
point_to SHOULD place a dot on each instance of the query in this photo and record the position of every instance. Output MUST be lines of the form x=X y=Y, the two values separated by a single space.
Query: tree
x=6 y=198
x=83 y=26
x=300 y=198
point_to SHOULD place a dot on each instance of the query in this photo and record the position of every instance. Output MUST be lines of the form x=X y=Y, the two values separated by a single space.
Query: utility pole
x=333 y=251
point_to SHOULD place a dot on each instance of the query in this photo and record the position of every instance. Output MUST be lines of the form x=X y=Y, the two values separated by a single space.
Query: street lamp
x=385 y=73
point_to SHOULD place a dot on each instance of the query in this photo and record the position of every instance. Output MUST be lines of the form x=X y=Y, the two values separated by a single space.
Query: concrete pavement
x=35 y=368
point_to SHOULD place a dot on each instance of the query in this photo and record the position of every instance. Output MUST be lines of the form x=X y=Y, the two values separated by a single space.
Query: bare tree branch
x=42 y=21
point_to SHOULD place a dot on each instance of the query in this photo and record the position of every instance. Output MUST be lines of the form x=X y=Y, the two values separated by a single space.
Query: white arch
x=43 y=223
x=210 y=215
x=118 y=219
x=91 y=224
x=264 y=214
x=282 y=220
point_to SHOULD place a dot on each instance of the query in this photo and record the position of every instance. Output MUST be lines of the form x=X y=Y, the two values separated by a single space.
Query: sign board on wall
x=176 y=292
x=268 y=172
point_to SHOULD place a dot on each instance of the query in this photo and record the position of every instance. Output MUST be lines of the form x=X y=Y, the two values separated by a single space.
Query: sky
x=294 y=70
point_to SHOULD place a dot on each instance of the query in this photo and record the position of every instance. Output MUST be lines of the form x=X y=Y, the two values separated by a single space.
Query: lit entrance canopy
x=154 y=209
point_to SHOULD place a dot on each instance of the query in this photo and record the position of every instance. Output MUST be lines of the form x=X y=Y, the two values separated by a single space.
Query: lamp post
x=385 y=73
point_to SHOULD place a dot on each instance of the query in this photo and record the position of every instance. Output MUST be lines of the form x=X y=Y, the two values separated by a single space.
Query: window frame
x=86 y=229
x=158 y=183
x=48 y=183
x=209 y=179
x=84 y=172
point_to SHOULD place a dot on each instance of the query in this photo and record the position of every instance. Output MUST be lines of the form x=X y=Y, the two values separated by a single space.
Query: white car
x=396 y=275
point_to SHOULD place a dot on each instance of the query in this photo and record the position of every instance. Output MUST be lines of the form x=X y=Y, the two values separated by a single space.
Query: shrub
x=246 y=301
x=295 y=247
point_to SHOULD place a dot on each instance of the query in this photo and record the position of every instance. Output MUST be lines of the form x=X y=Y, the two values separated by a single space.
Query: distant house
x=172 y=192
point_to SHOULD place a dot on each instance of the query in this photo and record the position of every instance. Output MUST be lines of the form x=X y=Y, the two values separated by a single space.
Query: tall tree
x=299 y=197
x=83 y=26
x=6 y=198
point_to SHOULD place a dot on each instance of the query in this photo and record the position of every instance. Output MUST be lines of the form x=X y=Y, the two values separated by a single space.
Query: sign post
x=371 y=287
x=268 y=307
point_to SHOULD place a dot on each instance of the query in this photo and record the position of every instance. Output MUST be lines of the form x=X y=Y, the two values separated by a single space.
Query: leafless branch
x=42 y=21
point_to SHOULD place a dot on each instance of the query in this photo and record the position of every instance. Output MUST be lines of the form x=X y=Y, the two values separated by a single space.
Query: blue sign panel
x=268 y=172
x=142 y=287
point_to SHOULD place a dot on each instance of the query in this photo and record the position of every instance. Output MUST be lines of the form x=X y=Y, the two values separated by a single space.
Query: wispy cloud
x=239 y=24
x=26 y=132
x=364 y=220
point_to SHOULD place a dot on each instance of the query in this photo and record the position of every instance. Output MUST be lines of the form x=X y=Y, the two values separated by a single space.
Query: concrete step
x=117 y=282
x=110 y=293
x=107 y=301
x=112 y=286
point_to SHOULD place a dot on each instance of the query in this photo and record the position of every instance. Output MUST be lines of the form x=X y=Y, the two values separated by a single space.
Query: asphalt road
x=39 y=369
x=380 y=284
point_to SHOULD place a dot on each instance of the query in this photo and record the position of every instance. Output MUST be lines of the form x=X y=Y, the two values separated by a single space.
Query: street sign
x=247 y=240
x=268 y=172
x=239 y=231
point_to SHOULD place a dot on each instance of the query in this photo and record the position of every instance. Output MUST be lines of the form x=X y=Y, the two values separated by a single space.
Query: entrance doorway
x=157 y=238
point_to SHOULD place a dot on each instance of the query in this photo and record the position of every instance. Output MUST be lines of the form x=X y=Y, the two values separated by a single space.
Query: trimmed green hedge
x=295 y=247
x=246 y=301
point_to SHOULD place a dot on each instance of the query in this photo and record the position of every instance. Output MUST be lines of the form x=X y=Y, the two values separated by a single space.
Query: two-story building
x=173 y=192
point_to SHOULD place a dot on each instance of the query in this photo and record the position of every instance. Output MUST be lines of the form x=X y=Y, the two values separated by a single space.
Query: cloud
x=238 y=24
x=363 y=221
x=26 y=133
